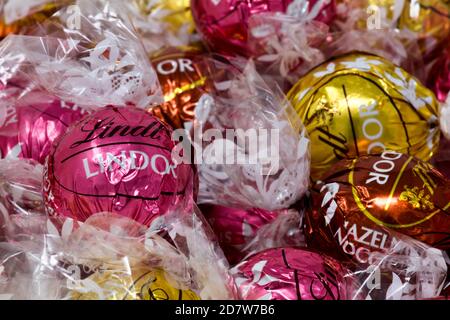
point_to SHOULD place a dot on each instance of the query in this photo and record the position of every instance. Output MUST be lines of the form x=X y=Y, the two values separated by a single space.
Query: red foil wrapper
x=439 y=76
x=361 y=200
x=292 y=274
x=235 y=227
x=224 y=23
x=182 y=73
x=116 y=160
x=29 y=125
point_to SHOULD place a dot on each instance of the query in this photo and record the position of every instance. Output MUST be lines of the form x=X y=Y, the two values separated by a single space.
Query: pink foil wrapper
x=224 y=23
x=439 y=76
x=30 y=124
x=236 y=227
x=292 y=274
x=117 y=160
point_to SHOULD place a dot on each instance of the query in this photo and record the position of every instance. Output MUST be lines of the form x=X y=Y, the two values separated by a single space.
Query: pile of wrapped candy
x=224 y=149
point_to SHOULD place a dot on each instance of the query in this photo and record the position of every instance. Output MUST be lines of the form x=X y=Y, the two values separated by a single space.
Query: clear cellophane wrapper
x=87 y=52
x=409 y=270
x=272 y=171
x=287 y=46
x=399 y=46
x=20 y=194
x=45 y=257
x=21 y=16
x=152 y=20
x=284 y=231
x=109 y=256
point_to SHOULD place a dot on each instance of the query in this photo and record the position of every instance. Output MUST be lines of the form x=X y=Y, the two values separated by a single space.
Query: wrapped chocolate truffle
x=117 y=160
x=241 y=232
x=224 y=23
x=439 y=76
x=19 y=16
x=141 y=284
x=102 y=63
x=247 y=147
x=427 y=20
x=109 y=257
x=360 y=104
x=387 y=216
x=182 y=73
x=293 y=274
x=360 y=197
x=30 y=122
x=162 y=23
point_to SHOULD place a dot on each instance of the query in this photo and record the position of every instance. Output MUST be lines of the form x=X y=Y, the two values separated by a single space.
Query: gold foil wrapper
x=141 y=284
x=360 y=104
x=22 y=26
x=429 y=19
x=176 y=13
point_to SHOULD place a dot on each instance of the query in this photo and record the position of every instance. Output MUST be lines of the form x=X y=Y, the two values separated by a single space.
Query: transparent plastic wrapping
x=242 y=232
x=286 y=46
x=428 y=20
x=390 y=229
x=251 y=149
x=289 y=273
x=14 y=10
x=87 y=53
x=31 y=120
x=284 y=231
x=113 y=257
x=353 y=33
x=410 y=270
x=21 y=16
x=21 y=186
x=162 y=23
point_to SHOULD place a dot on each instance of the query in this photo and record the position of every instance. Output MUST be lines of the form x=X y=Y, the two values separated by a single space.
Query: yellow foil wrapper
x=142 y=284
x=23 y=25
x=429 y=19
x=176 y=13
x=360 y=104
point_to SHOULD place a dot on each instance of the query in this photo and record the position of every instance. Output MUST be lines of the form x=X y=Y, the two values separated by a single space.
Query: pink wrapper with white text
x=251 y=148
x=109 y=257
x=87 y=53
x=118 y=158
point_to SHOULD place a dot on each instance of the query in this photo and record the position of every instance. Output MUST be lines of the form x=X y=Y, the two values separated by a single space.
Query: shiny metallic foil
x=142 y=284
x=362 y=202
x=182 y=73
x=22 y=26
x=292 y=274
x=429 y=19
x=177 y=13
x=361 y=104
x=116 y=160
x=224 y=24
x=439 y=76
